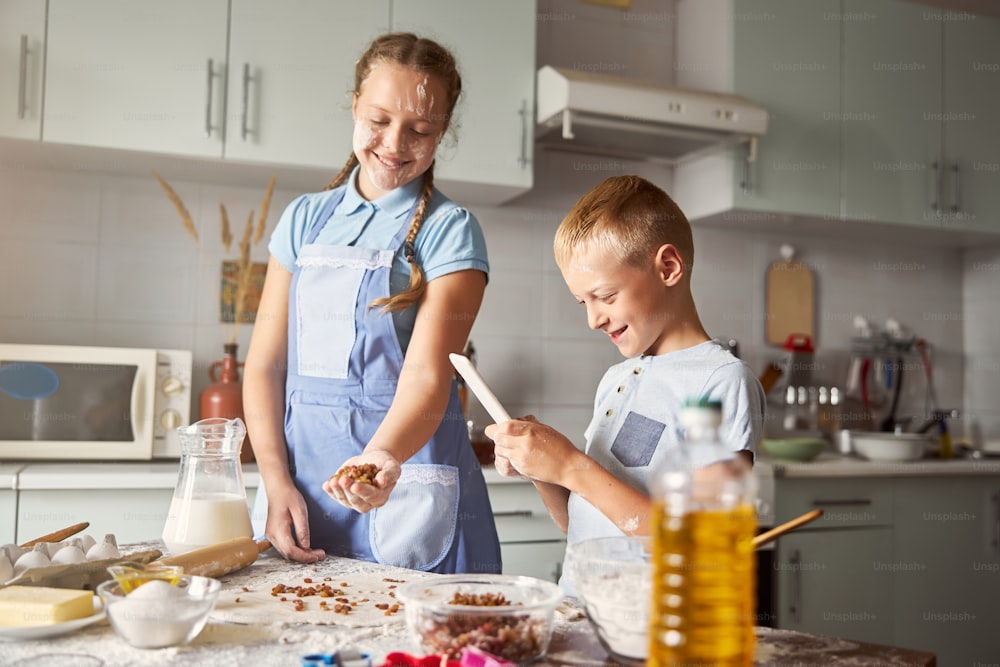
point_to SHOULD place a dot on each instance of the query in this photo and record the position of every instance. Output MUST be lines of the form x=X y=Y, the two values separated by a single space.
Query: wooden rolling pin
x=219 y=559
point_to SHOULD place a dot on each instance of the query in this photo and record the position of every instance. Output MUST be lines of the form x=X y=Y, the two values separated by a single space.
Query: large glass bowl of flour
x=613 y=580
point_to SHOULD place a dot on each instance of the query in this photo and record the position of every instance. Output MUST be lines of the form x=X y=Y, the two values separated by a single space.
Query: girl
x=370 y=285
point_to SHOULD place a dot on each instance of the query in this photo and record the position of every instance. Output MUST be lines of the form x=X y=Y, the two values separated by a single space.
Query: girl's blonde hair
x=629 y=217
x=429 y=57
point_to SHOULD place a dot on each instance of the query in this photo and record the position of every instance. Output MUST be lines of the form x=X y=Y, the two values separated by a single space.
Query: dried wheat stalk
x=227 y=233
x=265 y=205
x=179 y=205
x=244 y=274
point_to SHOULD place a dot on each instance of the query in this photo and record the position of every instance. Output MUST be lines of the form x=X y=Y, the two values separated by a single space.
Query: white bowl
x=613 y=579
x=890 y=446
x=146 y=621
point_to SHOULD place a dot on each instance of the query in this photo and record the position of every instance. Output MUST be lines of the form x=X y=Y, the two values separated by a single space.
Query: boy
x=626 y=253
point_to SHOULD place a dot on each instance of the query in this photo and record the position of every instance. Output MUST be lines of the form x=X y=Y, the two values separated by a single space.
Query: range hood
x=600 y=114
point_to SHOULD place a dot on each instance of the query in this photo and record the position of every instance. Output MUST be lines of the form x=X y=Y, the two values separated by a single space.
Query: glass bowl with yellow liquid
x=132 y=575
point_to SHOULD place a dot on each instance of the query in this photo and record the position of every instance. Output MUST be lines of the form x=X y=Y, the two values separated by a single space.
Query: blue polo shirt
x=450 y=239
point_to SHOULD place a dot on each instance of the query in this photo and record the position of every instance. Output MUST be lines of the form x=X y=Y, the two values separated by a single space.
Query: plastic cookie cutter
x=345 y=658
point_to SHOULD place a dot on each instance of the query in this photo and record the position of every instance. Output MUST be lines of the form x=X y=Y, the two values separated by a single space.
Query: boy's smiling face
x=630 y=304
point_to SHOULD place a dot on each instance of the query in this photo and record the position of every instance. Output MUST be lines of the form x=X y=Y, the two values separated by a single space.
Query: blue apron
x=344 y=361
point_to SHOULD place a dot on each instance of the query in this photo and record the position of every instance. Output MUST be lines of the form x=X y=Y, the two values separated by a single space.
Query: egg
x=37 y=557
x=68 y=554
x=103 y=550
x=6 y=567
x=86 y=542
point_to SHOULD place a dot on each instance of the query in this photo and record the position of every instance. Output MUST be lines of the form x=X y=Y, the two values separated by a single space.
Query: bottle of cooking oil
x=704 y=567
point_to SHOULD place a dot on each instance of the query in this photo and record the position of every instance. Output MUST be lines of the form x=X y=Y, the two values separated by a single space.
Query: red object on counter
x=224 y=397
x=471 y=657
x=400 y=659
x=798 y=343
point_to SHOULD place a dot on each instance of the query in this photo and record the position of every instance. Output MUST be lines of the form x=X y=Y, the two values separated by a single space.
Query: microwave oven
x=106 y=403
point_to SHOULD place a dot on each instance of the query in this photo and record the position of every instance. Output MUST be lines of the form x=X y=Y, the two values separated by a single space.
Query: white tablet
x=478 y=386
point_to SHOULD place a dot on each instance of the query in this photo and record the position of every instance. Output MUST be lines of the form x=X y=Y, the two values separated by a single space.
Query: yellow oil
x=130 y=577
x=704 y=582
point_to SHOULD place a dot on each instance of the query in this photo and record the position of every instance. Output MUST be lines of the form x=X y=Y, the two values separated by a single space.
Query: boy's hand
x=532 y=448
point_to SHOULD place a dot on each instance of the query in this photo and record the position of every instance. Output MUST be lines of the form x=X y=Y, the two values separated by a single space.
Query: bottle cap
x=704 y=403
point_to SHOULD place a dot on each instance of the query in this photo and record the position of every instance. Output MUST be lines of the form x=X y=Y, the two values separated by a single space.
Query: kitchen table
x=269 y=635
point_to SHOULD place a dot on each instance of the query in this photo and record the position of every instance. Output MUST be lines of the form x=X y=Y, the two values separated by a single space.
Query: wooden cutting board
x=790 y=292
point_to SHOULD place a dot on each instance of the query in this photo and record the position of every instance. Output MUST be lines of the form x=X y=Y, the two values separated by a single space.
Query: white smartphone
x=478 y=386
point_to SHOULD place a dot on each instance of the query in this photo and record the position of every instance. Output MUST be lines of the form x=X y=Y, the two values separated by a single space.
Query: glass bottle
x=209 y=504
x=704 y=567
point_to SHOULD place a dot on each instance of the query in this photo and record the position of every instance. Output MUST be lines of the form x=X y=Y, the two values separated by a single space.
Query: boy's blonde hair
x=629 y=217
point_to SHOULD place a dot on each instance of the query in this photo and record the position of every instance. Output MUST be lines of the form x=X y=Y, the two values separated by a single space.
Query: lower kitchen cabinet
x=128 y=500
x=8 y=515
x=131 y=515
x=903 y=560
x=947 y=559
x=530 y=542
x=829 y=583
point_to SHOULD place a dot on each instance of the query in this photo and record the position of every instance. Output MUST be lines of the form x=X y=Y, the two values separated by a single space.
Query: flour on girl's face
x=398 y=125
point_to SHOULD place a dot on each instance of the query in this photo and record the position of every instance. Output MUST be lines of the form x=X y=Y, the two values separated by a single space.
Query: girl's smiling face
x=627 y=303
x=399 y=119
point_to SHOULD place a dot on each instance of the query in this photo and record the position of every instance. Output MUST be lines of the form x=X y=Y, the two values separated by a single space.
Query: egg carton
x=78 y=563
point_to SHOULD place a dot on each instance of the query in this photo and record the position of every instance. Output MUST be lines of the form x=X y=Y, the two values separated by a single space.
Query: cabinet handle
x=746 y=184
x=246 y=102
x=22 y=79
x=956 y=182
x=525 y=514
x=796 y=563
x=208 y=100
x=996 y=524
x=819 y=502
x=522 y=160
x=936 y=188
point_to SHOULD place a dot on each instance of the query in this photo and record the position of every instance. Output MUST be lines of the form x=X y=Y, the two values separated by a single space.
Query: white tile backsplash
x=91 y=258
x=48 y=280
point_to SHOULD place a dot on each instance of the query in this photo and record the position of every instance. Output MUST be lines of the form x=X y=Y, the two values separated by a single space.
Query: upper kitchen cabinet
x=892 y=111
x=971 y=154
x=494 y=44
x=291 y=72
x=921 y=91
x=138 y=75
x=879 y=116
x=22 y=55
x=785 y=57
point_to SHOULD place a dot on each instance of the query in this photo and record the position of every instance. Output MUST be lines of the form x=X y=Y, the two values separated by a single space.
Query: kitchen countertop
x=282 y=642
x=835 y=465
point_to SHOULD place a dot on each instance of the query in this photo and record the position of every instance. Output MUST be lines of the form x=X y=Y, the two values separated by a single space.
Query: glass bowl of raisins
x=507 y=616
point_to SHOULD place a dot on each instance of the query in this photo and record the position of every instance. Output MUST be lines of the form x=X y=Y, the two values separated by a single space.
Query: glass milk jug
x=209 y=503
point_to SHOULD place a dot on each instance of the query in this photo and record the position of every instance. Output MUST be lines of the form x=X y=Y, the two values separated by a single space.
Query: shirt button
x=621 y=389
x=636 y=371
x=609 y=413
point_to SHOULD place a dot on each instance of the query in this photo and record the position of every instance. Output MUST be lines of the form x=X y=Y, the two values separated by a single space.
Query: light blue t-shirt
x=636 y=422
x=450 y=239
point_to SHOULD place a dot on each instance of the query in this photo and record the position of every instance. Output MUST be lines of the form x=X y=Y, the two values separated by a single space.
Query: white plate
x=43 y=631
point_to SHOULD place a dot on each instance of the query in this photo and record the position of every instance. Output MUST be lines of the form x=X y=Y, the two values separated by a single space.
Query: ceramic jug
x=209 y=504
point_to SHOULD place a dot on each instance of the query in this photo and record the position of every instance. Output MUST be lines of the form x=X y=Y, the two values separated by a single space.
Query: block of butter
x=38 y=605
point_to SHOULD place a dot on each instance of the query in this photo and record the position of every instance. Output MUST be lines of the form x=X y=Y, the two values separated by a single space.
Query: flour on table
x=366 y=591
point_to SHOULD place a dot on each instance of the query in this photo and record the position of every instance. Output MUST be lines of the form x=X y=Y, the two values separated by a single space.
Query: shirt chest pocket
x=636 y=440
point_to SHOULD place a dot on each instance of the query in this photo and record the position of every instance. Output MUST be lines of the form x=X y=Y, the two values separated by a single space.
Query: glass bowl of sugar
x=159 y=613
